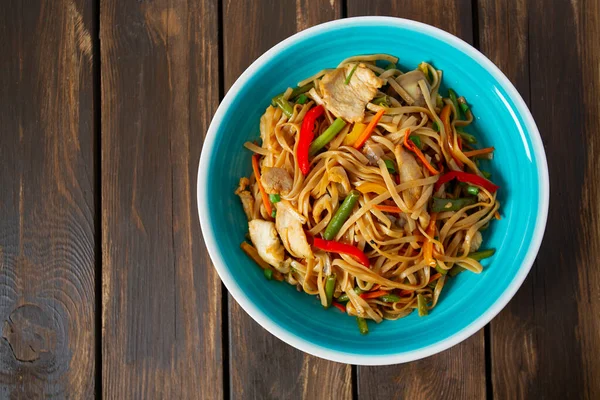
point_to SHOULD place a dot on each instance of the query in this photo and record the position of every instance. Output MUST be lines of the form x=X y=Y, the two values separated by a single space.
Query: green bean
x=362 y=325
x=285 y=106
x=463 y=105
x=457 y=269
x=389 y=298
x=435 y=126
x=326 y=136
x=440 y=205
x=274 y=198
x=422 y=305
x=486 y=175
x=390 y=66
x=381 y=101
x=389 y=164
x=268 y=273
x=343 y=298
x=467 y=137
x=302 y=99
x=341 y=215
x=347 y=81
x=302 y=89
x=416 y=140
x=453 y=99
x=474 y=190
x=274 y=213
x=440 y=269
x=480 y=255
x=329 y=288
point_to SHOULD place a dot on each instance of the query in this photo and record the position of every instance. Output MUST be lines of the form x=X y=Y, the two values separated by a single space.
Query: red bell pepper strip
x=467 y=178
x=341 y=248
x=307 y=134
x=339 y=306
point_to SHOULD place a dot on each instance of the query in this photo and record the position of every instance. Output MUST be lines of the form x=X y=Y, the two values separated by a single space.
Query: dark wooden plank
x=161 y=325
x=461 y=368
x=251 y=28
x=545 y=344
x=47 y=211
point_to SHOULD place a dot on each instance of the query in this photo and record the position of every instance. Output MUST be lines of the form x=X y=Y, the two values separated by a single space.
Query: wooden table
x=106 y=288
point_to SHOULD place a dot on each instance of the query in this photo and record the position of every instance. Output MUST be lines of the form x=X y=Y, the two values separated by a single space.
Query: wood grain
x=47 y=211
x=161 y=325
x=263 y=367
x=457 y=373
x=546 y=342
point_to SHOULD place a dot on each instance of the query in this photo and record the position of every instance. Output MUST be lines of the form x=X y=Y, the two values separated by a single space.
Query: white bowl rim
x=339 y=356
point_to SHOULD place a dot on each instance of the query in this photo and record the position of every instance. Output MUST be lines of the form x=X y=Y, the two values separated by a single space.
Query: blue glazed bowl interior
x=498 y=123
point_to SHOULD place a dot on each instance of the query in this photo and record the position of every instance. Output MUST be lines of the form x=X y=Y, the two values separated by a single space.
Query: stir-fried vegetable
x=274 y=198
x=306 y=136
x=389 y=298
x=440 y=205
x=454 y=100
x=326 y=136
x=268 y=273
x=410 y=145
x=341 y=248
x=480 y=255
x=362 y=325
x=253 y=254
x=329 y=288
x=302 y=99
x=479 y=152
x=416 y=140
x=428 y=246
x=341 y=215
x=263 y=193
x=385 y=208
x=422 y=305
x=351 y=137
x=368 y=130
x=389 y=164
x=349 y=77
x=285 y=106
x=467 y=137
x=466 y=178
x=339 y=306
x=473 y=190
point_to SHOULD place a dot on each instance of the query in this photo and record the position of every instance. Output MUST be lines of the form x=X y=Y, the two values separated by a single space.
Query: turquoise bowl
x=470 y=301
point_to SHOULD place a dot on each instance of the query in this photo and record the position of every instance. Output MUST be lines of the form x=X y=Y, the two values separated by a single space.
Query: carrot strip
x=411 y=146
x=405 y=292
x=263 y=193
x=375 y=287
x=497 y=215
x=373 y=295
x=428 y=246
x=445 y=117
x=479 y=152
x=435 y=277
x=368 y=130
x=390 y=209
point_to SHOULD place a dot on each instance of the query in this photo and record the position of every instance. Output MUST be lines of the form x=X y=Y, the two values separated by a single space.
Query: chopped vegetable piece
x=275 y=198
x=463 y=104
x=412 y=147
x=302 y=89
x=339 y=306
x=441 y=205
x=486 y=174
x=422 y=305
x=390 y=166
x=329 y=288
x=480 y=255
x=390 y=209
x=371 y=187
x=390 y=66
x=497 y=215
x=435 y=277
x=347 y=81
x=302 y=99
x=268 y=273
x=368 y=130
x=343 y=298
x=253 y=254
x=473 y=190
x=416 y=140
x=341 y=215
x=467 y=178
x=381 y=101
x=457 y=269
x=440 y=269
x=306 y=136
x=263 y=193
x=445 y=117
x=479 y=152
x=285 y=106
x=467 y=137
x=454 y=100
x=373 y=295
x=326 y=136
x=435 y=126
x=390 y=298
x=351 y=137
x=428 y=245
x=274 y=213
x=341 y=248
x=362 y=325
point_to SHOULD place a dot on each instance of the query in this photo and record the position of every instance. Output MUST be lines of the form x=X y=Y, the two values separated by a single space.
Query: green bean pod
x=422 y=305
x=326 y=136
x=441 y=205
x=362 y=325
x=341 y=215
x=329 y=288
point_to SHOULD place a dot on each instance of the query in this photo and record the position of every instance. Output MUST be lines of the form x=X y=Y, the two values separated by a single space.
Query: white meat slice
x=276 y=181
x=291 y=232
x=409 y=170
x=349 y=101
x=476 y=241
x=264 y=236
x=246 y=197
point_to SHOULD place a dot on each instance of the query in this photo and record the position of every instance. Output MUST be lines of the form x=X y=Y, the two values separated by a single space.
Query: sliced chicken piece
x=373 y=151
x=276 y=181
x=290 y=229
x=409 y=170
x=410 y=83
x=476 y=241
x=264 y=236
x=349 y=101
x=246 y=198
